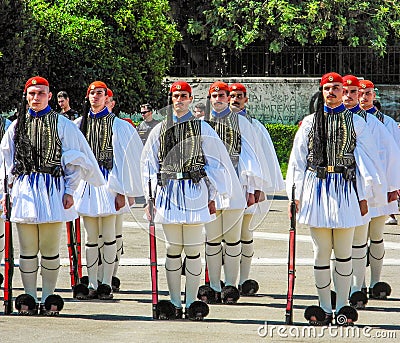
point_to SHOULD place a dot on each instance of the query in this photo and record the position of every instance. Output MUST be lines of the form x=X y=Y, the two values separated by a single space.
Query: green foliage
x=282 y=136
x=237 y=24
x=126 y=43
x=23 y=44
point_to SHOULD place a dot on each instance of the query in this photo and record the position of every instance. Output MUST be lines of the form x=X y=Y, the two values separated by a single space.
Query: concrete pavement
x=128 y=317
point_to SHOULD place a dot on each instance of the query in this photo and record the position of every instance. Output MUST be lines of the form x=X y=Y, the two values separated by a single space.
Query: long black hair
x=207 y=111
x=85 y=113
x=319 y=134
x=23 y=156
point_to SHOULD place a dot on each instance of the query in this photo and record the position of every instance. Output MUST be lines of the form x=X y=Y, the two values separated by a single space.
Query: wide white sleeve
x=251 y=161
x=298 y=158
x=149 y=163
x=393 y=128
x=267 y=148
x=124 y=177
x=219 y=168
x=7 y=154
x=77 y=159
x=371 y=179
x=389 y=152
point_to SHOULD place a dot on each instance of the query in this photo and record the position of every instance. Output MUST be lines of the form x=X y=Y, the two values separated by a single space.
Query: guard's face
x=333 y=93
x=366 y=96
x=98 y=98
x=219 y=100
x=238 y=100
x=38 y=97
x=350 y=96
x=181 y=101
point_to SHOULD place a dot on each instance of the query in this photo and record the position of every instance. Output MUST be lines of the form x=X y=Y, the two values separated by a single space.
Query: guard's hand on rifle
x=363 y=207
x=297 y=202
x=250 y=199
x=211 y=207
x=147 y=211
x=119 y=201
x=392 y=196
x=259 y=196
x=68 y=201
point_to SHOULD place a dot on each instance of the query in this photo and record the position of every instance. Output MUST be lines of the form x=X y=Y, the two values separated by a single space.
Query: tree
x=236 y=24
x=117 y=41
x=20 y=41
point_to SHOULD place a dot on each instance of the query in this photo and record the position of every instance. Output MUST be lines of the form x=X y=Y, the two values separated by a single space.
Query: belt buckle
x=179 y=176
x=330 y=169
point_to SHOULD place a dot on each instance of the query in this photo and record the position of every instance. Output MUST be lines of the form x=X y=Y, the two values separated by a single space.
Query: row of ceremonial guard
x=344 y=165
x=208 y=175
x=213 y=174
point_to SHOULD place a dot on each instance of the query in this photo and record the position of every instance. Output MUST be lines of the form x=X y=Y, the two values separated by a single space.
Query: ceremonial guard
x=332 y=167
x=45 y=157
x=117 y=148
x=4 y=124
x=115 y=281
x=237 y=134
x=188 y=166
x=255 y=213
x=376 y=252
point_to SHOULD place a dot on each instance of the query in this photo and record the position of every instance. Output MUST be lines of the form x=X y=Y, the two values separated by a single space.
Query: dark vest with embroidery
x=228 y=130
x=341 y=140
x=359 y=111
x=376 y=113
x=99 y=136
x=182 y=152
x=45 y=146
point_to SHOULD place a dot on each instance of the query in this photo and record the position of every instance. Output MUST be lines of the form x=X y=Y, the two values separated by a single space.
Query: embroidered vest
x=180 y=147
x=228 y=130
x=341 y=140
x=45 y=146
x=99 y=136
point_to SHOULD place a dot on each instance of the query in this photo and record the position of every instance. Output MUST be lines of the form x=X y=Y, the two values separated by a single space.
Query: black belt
x=55 y=171
x=195 y=175
x=347 y=172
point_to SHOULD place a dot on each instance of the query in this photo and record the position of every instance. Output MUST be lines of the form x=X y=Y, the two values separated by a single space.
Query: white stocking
x=247 y=249
x=359 y=257
x=376 y=248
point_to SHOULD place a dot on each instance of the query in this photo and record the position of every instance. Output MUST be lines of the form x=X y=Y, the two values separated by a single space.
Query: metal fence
x=258 y=61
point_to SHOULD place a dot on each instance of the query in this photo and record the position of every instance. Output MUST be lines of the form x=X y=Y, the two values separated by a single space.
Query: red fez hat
x=36 y=81
x=366 y=84
x=95 y=84
x=351 y=80
x=180 y=86
x=330 y=77
x=237 y=87
x=110 y=92
x=218 y=86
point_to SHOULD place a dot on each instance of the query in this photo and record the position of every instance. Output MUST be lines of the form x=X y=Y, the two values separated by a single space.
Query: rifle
x=291 y=259
x=153 y=254
x=8 y=253
x=74 y=251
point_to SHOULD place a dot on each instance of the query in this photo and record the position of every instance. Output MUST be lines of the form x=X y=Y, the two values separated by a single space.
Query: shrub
x=282 y=136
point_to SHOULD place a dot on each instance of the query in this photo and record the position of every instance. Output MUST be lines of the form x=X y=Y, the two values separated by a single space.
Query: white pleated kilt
x=94 y=201
x=37 y=198
x=182 y=202
x=329 y=203
x=390 y=208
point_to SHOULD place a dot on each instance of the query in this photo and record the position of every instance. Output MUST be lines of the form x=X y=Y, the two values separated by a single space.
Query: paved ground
x=254 y=319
